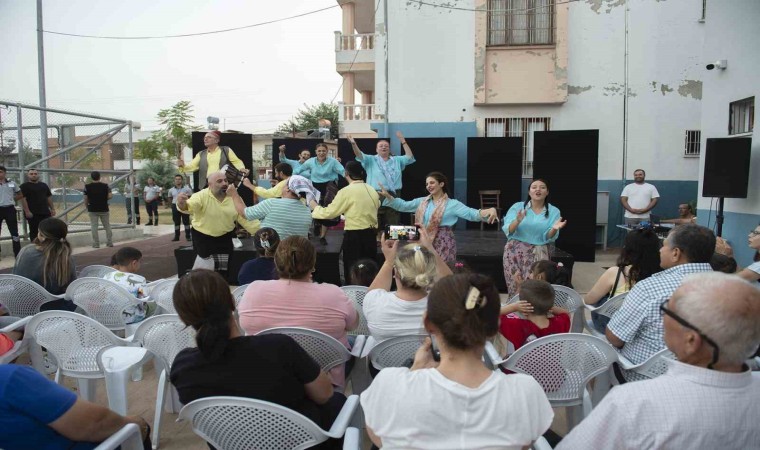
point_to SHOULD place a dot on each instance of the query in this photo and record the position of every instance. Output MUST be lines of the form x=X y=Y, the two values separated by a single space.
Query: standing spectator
x=96 y=196
x=9 y=193
x=37 y=202
x=151 y=195
x=132 y=195
x=179 y=188
x=638 y=198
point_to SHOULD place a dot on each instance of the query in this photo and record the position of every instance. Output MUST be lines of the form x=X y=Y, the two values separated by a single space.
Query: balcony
x=356 y=119
x=356 y=51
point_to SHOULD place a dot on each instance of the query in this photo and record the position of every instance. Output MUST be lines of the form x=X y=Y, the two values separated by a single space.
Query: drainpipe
x=387 y=87
x=625 y=98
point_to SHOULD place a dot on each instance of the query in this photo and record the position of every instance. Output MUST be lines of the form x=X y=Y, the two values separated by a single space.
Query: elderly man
x=708 y=399
x=636 y=328
x=685 y=215
x=213 y=222
x=212 y=159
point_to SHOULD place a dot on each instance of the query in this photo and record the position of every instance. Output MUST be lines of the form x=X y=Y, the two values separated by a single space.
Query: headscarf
x=302 y=186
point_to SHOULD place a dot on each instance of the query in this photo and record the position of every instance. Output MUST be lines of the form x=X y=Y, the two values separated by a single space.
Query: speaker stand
x=719 y=217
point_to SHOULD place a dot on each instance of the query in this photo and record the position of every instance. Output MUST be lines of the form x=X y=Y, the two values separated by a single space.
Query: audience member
x=295 y=301
x=37 y=202
x=262 y=267
x=636 y=328
x=96 y=196
x=685 y=215
x=723 y=263
x=127 y=261
x=551 y=272
x=752 y=272
x=457 y=402
x=531 y=228
x=36 y=413
x=272 y=367
x=541 y=317
x=177 y=217
x=639 y=258
x=638 y=199
x=8 y=339
x=48 y=262
x=363 y=272
x=415 y=267
x=132 y=191
x=708 y=398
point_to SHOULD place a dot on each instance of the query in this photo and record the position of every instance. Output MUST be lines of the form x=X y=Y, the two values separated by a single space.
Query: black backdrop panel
x=568 y=161
x=239 y=143
x=727 y=167
x=494 y=164
x=293 y=147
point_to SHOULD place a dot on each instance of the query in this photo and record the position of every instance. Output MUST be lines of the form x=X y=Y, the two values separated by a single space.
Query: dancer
x=438 y=213
x=212 y=159
x=282 y=172
x=303 y=156
x=531 y=228
x=323 y=170
x=179 y=188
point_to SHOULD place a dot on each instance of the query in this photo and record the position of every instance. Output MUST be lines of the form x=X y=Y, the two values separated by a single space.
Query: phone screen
x=402 y=232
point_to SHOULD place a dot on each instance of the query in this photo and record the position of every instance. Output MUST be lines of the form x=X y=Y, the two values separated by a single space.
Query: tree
x=162 y=171
x=308 y=119
x=176 y=134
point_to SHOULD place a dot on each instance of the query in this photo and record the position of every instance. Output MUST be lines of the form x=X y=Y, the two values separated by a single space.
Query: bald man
x=708 y=398
x=213 y=222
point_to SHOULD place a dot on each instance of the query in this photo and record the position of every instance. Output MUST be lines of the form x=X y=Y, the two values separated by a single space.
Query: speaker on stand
x=726 y=172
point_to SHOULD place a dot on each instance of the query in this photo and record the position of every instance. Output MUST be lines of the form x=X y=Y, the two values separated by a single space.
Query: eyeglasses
x=683 y=322
x=754 y=233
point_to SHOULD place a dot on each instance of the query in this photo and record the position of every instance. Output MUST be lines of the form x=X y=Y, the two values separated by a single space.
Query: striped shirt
x=288 y=216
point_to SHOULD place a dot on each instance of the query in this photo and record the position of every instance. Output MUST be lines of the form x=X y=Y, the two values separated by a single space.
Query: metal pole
x=20 y=145
x=130 y=185
x=41 y=82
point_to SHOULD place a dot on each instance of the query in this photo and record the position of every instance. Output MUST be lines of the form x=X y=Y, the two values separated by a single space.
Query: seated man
x=708 y=398
x=636 y=329
x=126 y=261
x=685 y=215
x=38 y=413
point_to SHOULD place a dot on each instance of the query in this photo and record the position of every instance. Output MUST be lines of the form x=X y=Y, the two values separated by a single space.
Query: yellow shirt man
x=357 y=201
x=274 y=192
x=214 y=218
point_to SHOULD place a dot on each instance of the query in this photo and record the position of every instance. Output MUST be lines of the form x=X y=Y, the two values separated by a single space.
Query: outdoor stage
x=482 y=251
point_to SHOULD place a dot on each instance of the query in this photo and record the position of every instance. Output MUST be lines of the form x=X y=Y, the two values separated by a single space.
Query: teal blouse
x=534 y=228
x=454 y=210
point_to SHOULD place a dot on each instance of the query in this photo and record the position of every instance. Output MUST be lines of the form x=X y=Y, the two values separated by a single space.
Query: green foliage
x=176 y=134
x=162 y=171
x=308 y=118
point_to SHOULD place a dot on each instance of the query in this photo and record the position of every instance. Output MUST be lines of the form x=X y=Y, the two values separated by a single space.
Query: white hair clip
x=474 y=299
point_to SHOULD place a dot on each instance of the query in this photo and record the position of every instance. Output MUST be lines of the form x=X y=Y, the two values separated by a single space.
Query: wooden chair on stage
x=490 y=199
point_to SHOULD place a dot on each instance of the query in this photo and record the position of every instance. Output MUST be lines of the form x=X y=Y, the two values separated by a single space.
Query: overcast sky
x=256 y=78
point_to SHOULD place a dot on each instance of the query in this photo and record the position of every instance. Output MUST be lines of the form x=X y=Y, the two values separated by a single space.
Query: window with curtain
x=520 y=22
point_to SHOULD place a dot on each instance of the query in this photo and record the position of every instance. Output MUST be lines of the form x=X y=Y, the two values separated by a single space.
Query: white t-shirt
x=152 y=192
x=388 y=316
x=755 y=267
x=422 y=409
x=639 y=196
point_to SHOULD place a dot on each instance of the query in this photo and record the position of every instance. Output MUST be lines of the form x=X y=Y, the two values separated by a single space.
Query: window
x=522 y=127
x=520 y=22
x=268 y=149
x=692 y=143
x=67 y=157
x=741 y=116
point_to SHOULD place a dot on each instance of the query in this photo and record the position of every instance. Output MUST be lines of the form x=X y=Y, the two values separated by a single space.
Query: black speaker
x=727 y=167
x=241 y=144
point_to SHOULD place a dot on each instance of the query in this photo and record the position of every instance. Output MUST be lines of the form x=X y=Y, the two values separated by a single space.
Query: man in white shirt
x=708 y=398
x=638 y=198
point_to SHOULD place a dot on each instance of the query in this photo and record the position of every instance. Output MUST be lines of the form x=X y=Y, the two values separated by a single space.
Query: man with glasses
x=636 y=329
x=708 y=399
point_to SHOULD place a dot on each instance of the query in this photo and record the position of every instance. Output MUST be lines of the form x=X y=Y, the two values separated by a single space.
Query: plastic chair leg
x=173 y=405
x=87 y=388
x=116 y=388
x=602 y=385
x=160 y=398
x=37 y=357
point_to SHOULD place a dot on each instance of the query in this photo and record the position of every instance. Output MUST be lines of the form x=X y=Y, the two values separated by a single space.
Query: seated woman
x=262 y=267
x=752 y=272
x=639 y=259
x=295 y=301
x=48 y=262
x=457 y=402
x=273 y=367
x=414 y=267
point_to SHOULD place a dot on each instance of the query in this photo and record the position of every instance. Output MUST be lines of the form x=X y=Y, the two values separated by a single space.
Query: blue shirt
x=534 y=228
x=379 y=171
x=295 y=164
x=454 y=210
x=256 y=269
x=28 y=403
x=321 y=172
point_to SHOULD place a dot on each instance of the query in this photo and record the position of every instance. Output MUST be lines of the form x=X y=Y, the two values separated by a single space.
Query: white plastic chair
x=237 y=294
x=356 y=295
x=609 y=308
x=327 y=351
x=20 y=347
x=395 y=352
x=235 y=423
x=563 y=364
x=95 y=270
x=565 y=298
x=22 y=296
x=75 y=342
x=161 y=293
x=653 y=367
x=127 y=438
x=104 y=301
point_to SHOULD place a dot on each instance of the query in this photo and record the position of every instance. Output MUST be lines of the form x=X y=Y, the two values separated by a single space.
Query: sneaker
x=95 y=245
x=176 y=238
x=110 y=244
x=323 y=241
x=189 y=238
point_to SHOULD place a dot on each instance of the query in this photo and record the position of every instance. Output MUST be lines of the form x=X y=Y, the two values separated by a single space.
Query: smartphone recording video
x=402 y=232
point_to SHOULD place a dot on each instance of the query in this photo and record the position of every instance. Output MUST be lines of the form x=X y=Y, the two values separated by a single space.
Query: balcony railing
x=344 y=42
x=356 y=112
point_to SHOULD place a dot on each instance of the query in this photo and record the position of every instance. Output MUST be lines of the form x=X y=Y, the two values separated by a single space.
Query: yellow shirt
x=357 y=201
x=212 y=159
x=215 y=218
x=275 y=192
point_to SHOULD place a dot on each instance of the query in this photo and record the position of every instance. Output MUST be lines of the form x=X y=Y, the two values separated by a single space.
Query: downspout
x=387 y=81
x=625 y=98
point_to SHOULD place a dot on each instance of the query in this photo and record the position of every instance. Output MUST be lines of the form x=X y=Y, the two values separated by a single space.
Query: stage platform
x=482 y=251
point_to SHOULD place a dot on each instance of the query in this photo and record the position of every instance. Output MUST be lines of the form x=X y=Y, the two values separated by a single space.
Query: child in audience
x=262 y=267
x=551 y=272
x=126 y=261
x=363 y=272
x=541 y=317
x=8 y=339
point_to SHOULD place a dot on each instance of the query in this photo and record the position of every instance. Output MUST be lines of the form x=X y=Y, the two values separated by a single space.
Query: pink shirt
x=289 y=303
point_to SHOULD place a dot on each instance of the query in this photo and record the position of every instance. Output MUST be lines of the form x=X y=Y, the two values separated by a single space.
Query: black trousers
x=8 y=214
x=128 y=202
x=34 y=225
x=152 y=208
x=357 y=244
x=178 y=218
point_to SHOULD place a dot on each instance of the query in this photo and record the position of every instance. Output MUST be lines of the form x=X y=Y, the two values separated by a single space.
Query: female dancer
x=531 y=228
x=438 y=213
x=322 y=170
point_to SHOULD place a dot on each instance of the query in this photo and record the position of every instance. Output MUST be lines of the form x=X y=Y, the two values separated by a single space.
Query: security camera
x=719 y=64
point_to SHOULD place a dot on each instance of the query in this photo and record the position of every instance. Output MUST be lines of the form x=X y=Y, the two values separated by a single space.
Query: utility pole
x=43 y=100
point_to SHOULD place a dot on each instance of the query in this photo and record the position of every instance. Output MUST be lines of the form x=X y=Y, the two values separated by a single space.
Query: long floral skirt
x=518 y=257
x=445 y=244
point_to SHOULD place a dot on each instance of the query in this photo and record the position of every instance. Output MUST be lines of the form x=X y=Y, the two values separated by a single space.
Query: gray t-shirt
x=174 y=192
x=29 y=264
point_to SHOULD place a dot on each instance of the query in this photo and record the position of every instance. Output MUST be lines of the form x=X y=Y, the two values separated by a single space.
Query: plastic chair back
x=356 y=295
x=395 y=352
x=656 y=365
x=569 y=299
x=234 y=423
x=327 y=351
x=22 y=296
x=563 y=364
x=102 y=300
x=238 y=293
x=95 y=270
x=161 y=293
x=165 y=336
x=608 y=309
